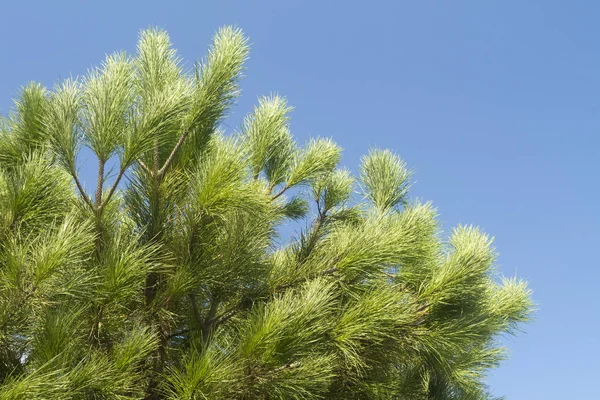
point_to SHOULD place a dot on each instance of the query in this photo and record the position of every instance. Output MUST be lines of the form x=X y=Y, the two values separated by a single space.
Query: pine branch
x=171 y=157
x=286 y=367
x=195 y=309
x=95 y=332
x=82 y=191
x=209 y=319
x=232 y=312
x=144 y=167
x=113 y=187
x=282 y=191
x=99 y=183
x=227 y=315
x=156 y=158
x=329 y=272
x=15 y=311
x=314 y=236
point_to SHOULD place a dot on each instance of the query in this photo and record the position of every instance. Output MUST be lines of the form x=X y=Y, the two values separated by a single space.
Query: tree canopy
x=172 y=281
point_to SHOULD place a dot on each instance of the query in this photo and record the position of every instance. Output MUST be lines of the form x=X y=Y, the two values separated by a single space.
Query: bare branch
x=99 y=182
x=114 y=187
x=171 y=157
x=82 y=191
x=155 y=157
x=144 y=166
x=282 y=191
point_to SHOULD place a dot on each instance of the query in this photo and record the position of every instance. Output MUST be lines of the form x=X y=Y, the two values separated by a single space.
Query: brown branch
x=282 y=191
x=113 y=188
x=155 y=157
x=171 y=157
x=99 y=182
x=82 y=191
x=144 y=167
x=152 y=278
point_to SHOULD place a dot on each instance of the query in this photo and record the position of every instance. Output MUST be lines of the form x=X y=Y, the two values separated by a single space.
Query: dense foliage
x=170 y=280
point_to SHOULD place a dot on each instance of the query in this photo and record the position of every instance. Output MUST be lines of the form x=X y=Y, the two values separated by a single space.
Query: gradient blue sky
x=496 y=105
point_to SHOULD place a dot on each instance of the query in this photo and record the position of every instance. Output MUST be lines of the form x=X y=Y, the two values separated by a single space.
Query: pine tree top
x=170 y=280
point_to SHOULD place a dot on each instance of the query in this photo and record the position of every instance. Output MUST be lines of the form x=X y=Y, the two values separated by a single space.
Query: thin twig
x=173 y=153
x=114 y=187
x=81 y=190
x=155 y=158
x=282 y=191
x=144 y=167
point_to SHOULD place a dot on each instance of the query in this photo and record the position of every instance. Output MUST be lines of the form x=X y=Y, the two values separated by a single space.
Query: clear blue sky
x=496 y=105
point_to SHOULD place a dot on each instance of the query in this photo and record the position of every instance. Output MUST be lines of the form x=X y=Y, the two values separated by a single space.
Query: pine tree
x=172 y=281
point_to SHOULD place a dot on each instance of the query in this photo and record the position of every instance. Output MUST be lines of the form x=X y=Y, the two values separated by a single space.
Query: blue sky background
x=496 y=106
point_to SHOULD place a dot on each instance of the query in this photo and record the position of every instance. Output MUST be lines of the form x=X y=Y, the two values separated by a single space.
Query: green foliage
x=385 y=178
x=26 y=124
x=317 y=159
x=174 y=283
x=333 y=190
x=62 y=123
x=216 y=84
x=106 y=98
x=268 y=139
